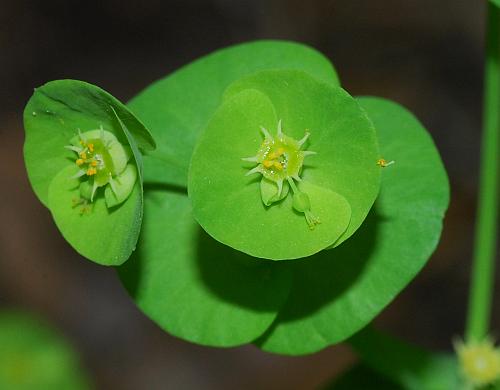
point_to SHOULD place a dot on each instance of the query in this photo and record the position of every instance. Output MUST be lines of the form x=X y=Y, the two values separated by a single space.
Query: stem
x=482 y=280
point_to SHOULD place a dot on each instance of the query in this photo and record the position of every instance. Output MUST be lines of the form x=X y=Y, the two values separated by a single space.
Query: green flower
x=83 y=161
x=279 y=160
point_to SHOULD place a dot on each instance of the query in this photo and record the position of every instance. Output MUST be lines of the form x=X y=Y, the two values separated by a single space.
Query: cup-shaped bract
x=328 y=157
x=83 y=160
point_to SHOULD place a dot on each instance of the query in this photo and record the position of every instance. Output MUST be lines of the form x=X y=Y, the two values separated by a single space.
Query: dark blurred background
x=425 y=54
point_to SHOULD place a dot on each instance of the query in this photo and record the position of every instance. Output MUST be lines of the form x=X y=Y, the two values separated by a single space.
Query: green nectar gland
x=101 y=160
x=280 y=160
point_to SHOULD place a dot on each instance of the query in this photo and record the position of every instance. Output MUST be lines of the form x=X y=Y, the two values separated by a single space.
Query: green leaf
x=338 y=292
x=54 y=114
x=34 y=357
x=195 y=288
x=361 y=377
x=409 y=366
x=222 y=194
x=179 y=106
x=105 y=235
x=52 y=118
x=497 y=3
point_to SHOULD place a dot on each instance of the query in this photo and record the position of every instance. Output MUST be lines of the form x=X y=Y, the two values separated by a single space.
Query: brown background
x=425 y=54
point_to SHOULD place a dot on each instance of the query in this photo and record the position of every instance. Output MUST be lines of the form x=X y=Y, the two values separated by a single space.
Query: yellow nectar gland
x=479 y=361
x=280 y=159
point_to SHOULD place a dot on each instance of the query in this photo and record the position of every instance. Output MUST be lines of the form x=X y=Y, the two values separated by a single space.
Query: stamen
x=267 y=163
x=311 y=219
x=79 y=162
x=91 y=171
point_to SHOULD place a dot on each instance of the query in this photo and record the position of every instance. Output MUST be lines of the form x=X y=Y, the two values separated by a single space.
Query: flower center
x=102 y=160
x=280 y=160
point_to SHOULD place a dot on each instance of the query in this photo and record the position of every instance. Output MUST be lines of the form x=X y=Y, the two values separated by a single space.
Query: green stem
x=482 y=280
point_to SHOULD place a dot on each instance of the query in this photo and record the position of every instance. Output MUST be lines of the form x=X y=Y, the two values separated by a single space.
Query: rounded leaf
x=194 y=287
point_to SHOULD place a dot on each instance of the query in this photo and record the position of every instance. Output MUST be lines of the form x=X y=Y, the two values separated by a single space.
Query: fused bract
x=326 y=189
x=83 y=160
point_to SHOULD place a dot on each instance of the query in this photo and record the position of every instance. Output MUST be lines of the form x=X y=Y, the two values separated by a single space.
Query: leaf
x=411 y=367
x=105 y=235
x=33 y=356
x=52 y=117
x=497 y=3
x=54 y=114
x=338 y=292
x=195 y=288
x=222 y=194
x=362 y=377
x=179 y=106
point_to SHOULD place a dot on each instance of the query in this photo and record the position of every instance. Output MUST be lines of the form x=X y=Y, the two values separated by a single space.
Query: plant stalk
x=483 y=265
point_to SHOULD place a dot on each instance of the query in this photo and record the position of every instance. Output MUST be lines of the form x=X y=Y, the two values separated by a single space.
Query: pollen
x=93 y=163
x=91 y=171
x=83 y=155
x=91 y=147
x=79 y=162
